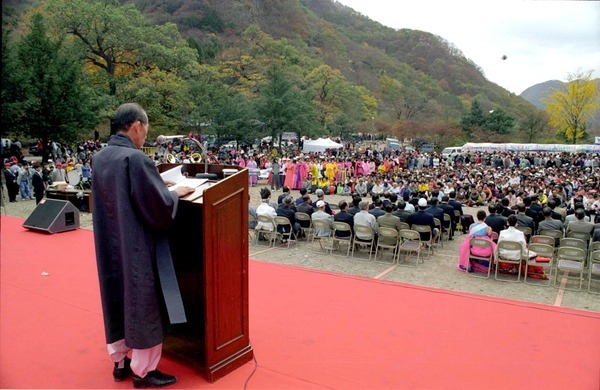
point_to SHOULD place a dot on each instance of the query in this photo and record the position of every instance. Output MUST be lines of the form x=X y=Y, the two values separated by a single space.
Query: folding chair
x=516 y=260
x=585 y=237
x=573 y=242
x=367 y=242
x=448 y=225
x=543 y=250
x=336 y=240
x=540 y=239
x=570 y=259
x=251 y=221
x=270 y=235
x=594 y=270
x=409 y=242
x=484 y=246
x=425 y=229
x=285 y=231
x=439 y=239
x=459 y=224
x=526 y=231
x=404 y=225
x=304 y=219
x=554 y=233
x=321 y=224
x=387 y=238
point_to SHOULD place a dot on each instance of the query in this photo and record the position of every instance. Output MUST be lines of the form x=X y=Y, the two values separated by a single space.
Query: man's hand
x=183 y=191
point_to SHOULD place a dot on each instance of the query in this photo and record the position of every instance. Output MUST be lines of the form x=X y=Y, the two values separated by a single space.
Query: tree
x=283 y=106
x=53 y=101
x=571 y=107
x=534 y=125
x=474 y=120
x=117 y=40
x=498 y=122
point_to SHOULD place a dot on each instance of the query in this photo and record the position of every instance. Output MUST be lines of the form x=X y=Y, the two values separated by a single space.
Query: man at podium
x=133 y=209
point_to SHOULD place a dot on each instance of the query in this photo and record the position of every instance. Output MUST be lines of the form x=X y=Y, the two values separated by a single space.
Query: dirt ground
x=437 y=271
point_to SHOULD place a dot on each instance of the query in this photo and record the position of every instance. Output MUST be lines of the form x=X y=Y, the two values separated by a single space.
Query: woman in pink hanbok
x=480 y=230
x=252 y=171
x=301 y=174
x=289 y=173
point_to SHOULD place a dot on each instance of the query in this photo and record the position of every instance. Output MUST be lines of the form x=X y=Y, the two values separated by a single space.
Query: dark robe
x=133 y=209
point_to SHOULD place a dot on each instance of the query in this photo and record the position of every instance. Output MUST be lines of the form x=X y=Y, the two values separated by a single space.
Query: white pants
x=142 y=360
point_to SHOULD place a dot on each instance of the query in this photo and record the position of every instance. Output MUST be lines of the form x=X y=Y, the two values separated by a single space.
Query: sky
x=542 y=40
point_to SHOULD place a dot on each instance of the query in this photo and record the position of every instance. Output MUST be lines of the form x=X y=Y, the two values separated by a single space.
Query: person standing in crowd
x=23 y=180
x=133 y=209
x=12 y=186
x=275 y=169
x=37 y=181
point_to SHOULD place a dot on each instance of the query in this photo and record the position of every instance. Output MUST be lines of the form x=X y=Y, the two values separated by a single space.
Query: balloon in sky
x=504 y=57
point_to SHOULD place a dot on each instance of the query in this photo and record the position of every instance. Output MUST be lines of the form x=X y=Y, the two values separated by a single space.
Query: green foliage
x=47 y=97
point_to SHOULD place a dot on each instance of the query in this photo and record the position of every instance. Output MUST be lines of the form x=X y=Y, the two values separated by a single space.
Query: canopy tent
x=319 y=145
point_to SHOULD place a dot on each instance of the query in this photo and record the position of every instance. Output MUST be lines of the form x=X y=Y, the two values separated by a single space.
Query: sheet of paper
x=176 y=176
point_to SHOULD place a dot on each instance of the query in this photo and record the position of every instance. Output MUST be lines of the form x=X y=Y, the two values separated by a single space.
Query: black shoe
x=120 y=374
x=153 y=379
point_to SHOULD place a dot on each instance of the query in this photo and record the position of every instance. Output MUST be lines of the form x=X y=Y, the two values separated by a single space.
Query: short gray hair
x=363 y=205
x=126 y=115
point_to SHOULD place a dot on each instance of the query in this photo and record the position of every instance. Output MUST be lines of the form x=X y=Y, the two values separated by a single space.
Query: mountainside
x=413 y=77
x=536 y=93
x=361 y=49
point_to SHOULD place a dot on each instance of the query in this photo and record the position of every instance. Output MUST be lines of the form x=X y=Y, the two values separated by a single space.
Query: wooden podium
x=209 y=245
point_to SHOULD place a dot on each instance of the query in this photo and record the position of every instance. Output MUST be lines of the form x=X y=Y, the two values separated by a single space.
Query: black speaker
x=53 y=216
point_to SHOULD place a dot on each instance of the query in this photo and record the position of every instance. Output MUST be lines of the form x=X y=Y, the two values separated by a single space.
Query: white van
x=451 y=151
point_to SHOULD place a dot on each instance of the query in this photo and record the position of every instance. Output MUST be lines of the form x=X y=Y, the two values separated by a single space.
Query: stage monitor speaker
x=53 y=216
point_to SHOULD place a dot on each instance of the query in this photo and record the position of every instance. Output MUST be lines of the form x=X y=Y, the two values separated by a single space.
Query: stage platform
x=309 y=330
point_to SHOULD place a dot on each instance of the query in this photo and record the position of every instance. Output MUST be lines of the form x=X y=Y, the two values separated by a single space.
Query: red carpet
x=309 y=330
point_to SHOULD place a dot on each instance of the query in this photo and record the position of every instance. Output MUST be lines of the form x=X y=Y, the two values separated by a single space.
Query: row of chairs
x=407 y=241
x=573 y=257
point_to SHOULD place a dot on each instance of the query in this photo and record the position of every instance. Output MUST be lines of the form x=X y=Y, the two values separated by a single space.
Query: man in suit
x=549 y=222
x=494 y=220
x=285 y=210
x=355 y=209
x=306 y=206
x=505 y=211
x=449 y=210
x=401 y=212
x=533 y=209
x=344 y=216
x=580 y=224
x=37 y=183
x=420 y=217
x=377 y=211
x=458 y=206
x=523 y=219
x=436 y=211
x=388 y=220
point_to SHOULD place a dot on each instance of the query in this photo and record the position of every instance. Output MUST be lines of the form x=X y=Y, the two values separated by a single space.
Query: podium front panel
x=209 y=245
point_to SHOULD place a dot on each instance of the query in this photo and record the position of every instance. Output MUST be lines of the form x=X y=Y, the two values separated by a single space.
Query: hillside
x=435 y=81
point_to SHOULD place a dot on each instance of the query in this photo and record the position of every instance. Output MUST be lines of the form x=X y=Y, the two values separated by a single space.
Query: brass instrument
x=195 y=158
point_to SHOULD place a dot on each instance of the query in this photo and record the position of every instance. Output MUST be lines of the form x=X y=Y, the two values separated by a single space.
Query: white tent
x=319 y=145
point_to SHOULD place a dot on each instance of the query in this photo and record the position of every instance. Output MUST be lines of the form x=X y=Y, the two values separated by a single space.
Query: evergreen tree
x=50 y=100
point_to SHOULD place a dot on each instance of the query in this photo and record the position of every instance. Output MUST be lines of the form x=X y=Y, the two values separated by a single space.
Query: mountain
x=436 y=82
x=536 y=93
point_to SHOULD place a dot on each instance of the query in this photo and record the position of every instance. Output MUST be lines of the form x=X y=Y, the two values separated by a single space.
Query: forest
x=245 y=69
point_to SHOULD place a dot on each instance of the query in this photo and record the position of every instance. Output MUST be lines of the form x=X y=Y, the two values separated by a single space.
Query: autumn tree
x=49 y=97
x=118 y=41
x=571 y=107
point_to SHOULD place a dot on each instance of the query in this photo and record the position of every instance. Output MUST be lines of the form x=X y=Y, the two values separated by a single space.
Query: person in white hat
x=420 y=217
x=320 y=214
